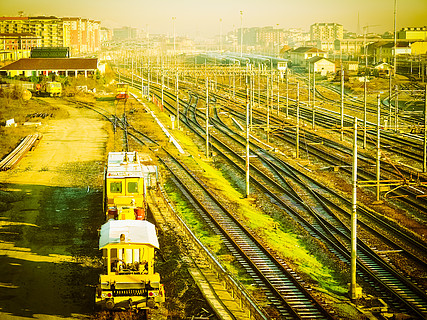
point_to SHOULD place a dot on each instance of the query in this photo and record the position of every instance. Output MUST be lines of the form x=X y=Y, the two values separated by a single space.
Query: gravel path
x=48 y=235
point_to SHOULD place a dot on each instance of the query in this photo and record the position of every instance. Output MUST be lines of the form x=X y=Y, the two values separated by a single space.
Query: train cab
x=124 y=187
x=122 y=91
x=128 y=279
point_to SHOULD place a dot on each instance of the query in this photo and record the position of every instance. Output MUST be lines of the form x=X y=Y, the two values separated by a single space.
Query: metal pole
x=354 y=218
x=297 y=127
x=287 y=94
x=247 y=140
x=365 y=96
x=314 y=99
x=309 y=85
x=149 y=79
x=278 y=94
x=142 y=81
x=396 y=110
x=268 y=108
x=395 y=39
x=241 y=33
x=207 y=118
x=378 y=177
x=220 y=35
x=342 y=103
x=389 y=99
x=177 y=101
x=163 y=80
x=425 y=133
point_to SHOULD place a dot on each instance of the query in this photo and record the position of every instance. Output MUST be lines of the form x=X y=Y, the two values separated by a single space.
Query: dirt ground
x=48 y=232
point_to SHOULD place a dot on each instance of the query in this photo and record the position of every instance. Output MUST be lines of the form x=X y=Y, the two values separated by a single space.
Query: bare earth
x=48 y=238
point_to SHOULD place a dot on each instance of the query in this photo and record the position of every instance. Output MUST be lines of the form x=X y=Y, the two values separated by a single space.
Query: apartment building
x=81 y=35
x=327 y=32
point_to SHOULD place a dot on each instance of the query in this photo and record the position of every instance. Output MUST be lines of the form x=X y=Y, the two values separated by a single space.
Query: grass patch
x=303 y=253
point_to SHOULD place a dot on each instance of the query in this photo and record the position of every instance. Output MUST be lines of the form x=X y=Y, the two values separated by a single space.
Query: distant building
x=320 y=65
x=81 y=35
x=326 y=32
x=55 y=52
x=105 y=34
x=49 y=29
x=265 y=37
x=124 y=33
x=382 y=69
x=14 y=46
x=299 y=56
x=419 y=33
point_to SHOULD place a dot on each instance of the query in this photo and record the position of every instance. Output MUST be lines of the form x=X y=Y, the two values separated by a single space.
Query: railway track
x=387 y=278
x=278 y=283
x=12 y=159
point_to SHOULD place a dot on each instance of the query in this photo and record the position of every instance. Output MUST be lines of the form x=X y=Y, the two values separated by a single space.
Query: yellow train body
x=127 y=240
x=124 y=186
x=128 y=279
x=54 y=89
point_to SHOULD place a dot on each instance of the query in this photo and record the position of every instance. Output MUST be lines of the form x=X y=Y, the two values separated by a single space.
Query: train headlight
x=152 y=293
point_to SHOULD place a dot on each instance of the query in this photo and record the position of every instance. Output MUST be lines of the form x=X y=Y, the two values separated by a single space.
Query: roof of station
x=52 y=64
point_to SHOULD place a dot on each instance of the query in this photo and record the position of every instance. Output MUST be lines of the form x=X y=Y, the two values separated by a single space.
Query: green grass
x=304 y=256
x=278 y=236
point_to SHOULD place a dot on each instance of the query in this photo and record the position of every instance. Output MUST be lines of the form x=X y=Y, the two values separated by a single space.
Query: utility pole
x=353 y=286
x=342 y=103
x=365 y=94
x=207 y=118
x=177 y=100
x=268 y=108
x=314 y=99
x=287 y=93
x=220 y=35
x=297 y=127
x=389 y=99
x=148 y=78
x=278 y=94
x=309 y=85
x=241 y=33
x=396 y=110
x=425 y=133
x=378 y=177
x=247 y=140
x=395 y=40
x=163 y=84
x=132 y=73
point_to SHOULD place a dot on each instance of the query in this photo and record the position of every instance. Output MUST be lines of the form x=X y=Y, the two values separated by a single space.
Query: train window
x=133 y=187
x=116 y=187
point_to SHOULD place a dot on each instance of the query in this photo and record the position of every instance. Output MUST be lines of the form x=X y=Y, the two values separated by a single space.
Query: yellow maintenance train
x=128 y=241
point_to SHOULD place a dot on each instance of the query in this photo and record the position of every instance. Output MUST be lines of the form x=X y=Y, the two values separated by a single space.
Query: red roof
x=52 y=64
x=13 y=18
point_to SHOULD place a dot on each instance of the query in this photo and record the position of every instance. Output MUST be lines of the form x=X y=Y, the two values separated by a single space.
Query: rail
x=12 y=159
x=238 y=292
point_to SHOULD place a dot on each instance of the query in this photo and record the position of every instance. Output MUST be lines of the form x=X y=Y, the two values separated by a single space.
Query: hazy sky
x=201 y=17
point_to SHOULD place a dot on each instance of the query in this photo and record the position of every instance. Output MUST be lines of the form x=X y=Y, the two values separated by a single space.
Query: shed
x=321 y=65
x=382 y=68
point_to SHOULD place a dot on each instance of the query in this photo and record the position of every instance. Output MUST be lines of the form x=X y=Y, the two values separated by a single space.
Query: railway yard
x=278 y=247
